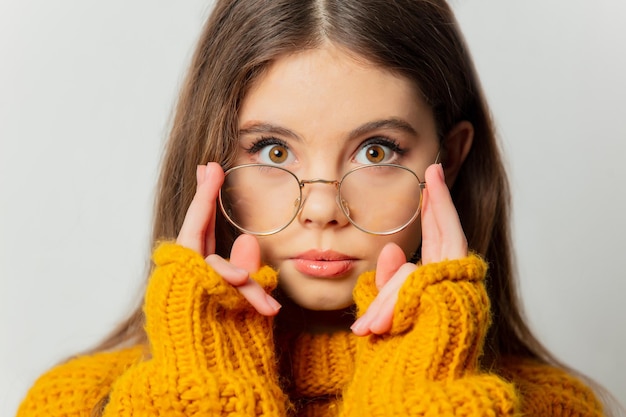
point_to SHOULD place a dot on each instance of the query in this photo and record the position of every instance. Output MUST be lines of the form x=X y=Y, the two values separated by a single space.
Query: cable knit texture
x=428 y=364
x=209 y=346
x=211 y=354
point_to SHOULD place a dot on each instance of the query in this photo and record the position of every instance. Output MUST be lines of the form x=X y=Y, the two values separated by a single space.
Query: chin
x=317 y=294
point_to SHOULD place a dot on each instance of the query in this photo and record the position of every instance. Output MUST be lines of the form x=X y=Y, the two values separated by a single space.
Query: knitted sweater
x=211 y=354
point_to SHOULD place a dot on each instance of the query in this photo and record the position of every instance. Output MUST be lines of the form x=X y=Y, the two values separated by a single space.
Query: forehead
x=331 y=86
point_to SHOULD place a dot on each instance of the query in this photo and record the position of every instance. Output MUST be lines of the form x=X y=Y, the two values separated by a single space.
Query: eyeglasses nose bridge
x=336 y=183
x=320 y=181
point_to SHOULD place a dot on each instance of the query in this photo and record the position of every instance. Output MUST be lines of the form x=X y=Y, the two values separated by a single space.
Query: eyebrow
x=269 y=128
x=393 y=123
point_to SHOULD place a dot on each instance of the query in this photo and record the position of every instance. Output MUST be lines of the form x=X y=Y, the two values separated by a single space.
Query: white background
x=86 y=92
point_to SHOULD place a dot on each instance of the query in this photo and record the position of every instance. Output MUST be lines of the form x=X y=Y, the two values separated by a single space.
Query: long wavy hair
x=417 y=39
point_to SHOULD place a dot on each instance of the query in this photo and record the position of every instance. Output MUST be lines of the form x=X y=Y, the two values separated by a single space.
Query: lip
x=323 y=264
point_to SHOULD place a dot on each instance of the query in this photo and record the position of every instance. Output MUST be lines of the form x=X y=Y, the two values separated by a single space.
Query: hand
x=211 y=352
x=432 y=321
x=198 y=233
x=442 y=238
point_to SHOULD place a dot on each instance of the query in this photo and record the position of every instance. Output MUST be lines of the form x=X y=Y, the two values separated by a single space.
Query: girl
x=318 y=264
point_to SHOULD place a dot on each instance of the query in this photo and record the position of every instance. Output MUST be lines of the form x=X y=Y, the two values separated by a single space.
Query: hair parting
x=419 y=40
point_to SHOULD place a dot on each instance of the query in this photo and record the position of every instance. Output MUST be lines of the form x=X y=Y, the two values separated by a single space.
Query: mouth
x=323 y=264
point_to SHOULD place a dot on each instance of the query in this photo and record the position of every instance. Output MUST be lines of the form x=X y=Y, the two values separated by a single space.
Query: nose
x=320 y=208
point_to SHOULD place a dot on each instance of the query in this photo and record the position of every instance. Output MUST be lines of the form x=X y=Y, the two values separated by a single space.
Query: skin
x=337 y=94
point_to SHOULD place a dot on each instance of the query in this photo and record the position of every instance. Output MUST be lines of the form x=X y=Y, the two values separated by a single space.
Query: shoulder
x=76 y=386
x=546 y=390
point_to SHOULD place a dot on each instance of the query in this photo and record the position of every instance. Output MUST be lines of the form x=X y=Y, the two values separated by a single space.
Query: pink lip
x=323 y=264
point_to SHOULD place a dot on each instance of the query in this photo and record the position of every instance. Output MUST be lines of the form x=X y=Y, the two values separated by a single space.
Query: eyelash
x=393 y=145
x=396 y=152
x=390 y=143
x=262 y=142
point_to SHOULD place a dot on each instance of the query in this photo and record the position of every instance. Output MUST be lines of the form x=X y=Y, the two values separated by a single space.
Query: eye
x=375 y=154
x=277 y=153
x=379 y=151
x=271 y=151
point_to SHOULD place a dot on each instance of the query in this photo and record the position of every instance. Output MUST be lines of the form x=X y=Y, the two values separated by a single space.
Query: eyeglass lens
x=261 y=199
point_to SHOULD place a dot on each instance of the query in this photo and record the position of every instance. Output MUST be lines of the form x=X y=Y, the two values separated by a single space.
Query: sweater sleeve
x=75 y=387
x=212 y=353
x=428 y=364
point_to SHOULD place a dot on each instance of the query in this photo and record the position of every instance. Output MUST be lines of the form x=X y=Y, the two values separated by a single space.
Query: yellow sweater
x=211 y=354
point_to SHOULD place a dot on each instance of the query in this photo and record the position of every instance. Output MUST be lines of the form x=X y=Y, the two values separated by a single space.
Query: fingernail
x=360 y=324
x=207 y=174
x=360 y=328
x=275 y=305
x=440 y=171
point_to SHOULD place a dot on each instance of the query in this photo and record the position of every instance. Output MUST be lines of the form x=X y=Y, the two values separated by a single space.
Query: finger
x=391 y=258
x=442 y=233
x=249 y=288
x=378 y=318
x=383 y=317
x=262 y=302
x=246 y=253
x=198 y=229
x=232 y=274
x=431 y=245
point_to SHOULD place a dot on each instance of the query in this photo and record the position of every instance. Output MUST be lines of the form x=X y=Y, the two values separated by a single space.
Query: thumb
x=390 y=259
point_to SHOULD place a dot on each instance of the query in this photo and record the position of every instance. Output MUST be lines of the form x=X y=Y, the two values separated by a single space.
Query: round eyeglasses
x=264 y=199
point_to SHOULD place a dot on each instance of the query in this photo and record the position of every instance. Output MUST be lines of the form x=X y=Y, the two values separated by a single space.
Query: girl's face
x=320 y=113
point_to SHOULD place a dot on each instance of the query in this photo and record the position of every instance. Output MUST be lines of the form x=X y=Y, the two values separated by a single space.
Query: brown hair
x=417 y=39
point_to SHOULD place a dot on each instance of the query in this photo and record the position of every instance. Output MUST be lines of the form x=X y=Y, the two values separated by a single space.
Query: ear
x=456 y=146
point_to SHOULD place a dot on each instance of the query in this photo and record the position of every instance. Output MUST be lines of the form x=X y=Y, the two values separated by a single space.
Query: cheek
x=267 y=243
x=409 y=239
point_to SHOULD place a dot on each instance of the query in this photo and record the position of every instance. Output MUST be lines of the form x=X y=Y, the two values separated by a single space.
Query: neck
x=296 y=319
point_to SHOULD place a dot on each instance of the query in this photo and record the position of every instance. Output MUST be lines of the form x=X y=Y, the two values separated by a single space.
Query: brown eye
x=278 y=154
x=375 y=154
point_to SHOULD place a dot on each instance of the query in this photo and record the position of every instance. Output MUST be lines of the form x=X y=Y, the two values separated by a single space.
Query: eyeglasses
x=264 y=199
